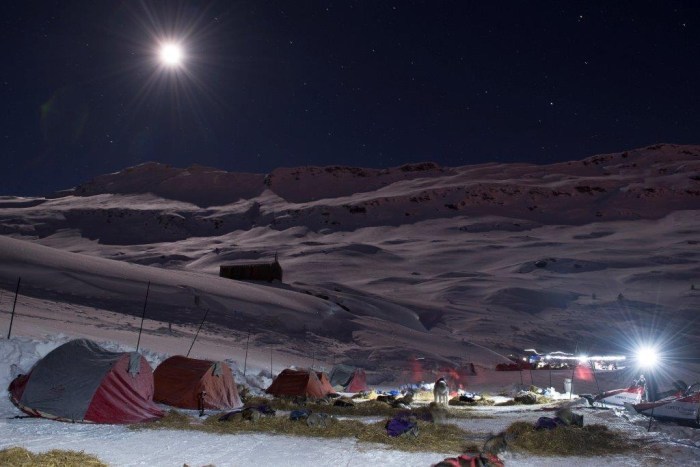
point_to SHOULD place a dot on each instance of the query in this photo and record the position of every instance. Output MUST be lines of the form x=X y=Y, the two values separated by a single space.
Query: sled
x=616 y=397
x=683 y=407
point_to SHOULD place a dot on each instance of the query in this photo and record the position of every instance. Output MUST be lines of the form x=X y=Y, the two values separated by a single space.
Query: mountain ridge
x=648 y=183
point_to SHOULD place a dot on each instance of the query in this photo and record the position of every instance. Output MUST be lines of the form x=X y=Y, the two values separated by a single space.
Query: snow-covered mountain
x=639 y=184
x=381 y=265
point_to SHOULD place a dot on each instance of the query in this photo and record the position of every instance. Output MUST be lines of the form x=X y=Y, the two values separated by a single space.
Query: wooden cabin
x=246 y=270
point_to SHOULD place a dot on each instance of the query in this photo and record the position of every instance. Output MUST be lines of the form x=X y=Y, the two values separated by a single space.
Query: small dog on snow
x=441 y=393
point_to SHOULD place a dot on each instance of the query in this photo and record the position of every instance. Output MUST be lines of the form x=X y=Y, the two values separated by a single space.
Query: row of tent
x=80 y=381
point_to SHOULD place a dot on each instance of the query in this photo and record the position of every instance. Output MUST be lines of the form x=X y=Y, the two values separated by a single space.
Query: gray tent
x=82 y=382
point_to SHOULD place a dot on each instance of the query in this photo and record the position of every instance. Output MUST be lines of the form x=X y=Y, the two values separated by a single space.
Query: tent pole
x=245 y=362
x=571 y=391
x=573 y=372
x=595 y=377
x=270 y=362
x=143 y=315
x=12 y=316
x=197 y=333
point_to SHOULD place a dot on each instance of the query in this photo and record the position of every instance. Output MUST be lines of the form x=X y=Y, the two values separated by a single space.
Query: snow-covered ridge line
x=154 y=203
x=208 y=187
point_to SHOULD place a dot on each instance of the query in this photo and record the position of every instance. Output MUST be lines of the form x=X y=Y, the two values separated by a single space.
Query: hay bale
x=433 y=437
x=591 y=440
x=17 y=456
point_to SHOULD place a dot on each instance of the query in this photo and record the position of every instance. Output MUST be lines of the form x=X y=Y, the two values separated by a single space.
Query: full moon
x=171 y=54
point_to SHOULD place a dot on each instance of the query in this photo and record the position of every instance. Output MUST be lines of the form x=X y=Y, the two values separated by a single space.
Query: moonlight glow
x=171 y=54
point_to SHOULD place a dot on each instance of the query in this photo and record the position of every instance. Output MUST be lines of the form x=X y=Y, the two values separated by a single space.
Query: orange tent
x=188 y=383
x=300 y=383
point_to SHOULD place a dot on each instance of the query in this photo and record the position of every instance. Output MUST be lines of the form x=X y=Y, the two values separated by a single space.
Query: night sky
x=372 y=83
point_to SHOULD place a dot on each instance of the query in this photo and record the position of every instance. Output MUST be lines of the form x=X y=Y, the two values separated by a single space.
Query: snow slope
x=385 y=266
x=410 y=272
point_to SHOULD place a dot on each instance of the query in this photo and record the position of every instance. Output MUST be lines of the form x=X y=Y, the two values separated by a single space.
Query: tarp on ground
x=189 y=382
x=307 y=383
x=80 y=381
x=350 y=378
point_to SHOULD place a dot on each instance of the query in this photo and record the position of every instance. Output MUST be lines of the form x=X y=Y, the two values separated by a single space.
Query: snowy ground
x=120 y=446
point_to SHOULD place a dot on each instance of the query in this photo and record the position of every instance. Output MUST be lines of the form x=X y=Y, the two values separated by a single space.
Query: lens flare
x=647 y=356
x=171 y=54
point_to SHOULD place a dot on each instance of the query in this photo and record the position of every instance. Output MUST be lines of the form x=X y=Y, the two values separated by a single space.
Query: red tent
x=195 y=384
x=300 y=383
x=349 y=378
x=358 y=382
x=82 y=382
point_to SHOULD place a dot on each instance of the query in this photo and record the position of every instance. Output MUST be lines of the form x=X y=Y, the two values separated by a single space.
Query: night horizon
x=273 y=85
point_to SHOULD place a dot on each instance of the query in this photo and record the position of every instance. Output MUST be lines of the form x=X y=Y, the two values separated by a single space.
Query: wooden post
x=573 y=372
x=143 y=315
x=12 y=316
x=595 y=377
x=245 y=362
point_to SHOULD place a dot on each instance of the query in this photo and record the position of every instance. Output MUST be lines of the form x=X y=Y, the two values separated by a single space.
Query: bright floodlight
x=647 y=357
x=171 y=54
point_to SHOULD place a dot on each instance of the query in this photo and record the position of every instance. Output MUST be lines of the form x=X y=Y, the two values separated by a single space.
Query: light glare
x=647 y=357
x=171 y=54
